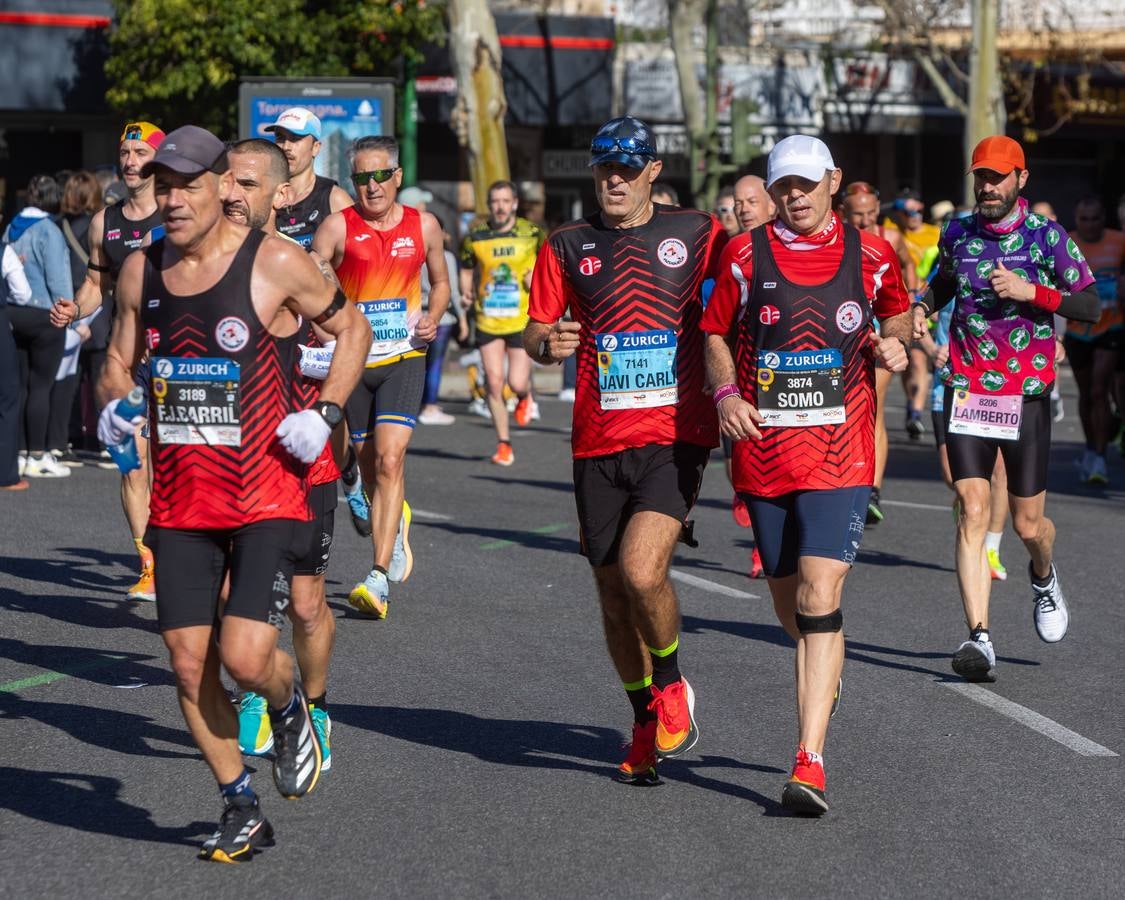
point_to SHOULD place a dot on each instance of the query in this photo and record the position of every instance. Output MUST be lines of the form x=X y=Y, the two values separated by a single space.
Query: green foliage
x=179 y=61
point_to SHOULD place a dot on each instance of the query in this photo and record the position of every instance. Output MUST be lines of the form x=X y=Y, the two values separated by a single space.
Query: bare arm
x=562 y=340
x=328 y=243
x=738 y=420
x=438 y=271
x=95 y=286
x=909 y=274
x=126 y=344
x=468 y=288
x=339 y=199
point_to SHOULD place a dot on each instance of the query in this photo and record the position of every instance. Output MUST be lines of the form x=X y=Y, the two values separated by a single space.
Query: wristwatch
x=331 y=413
x=544 y=353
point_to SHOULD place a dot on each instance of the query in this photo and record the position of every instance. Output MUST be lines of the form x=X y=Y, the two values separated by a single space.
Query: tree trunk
x=700 y=117
x=478 y=118
x=986 y=114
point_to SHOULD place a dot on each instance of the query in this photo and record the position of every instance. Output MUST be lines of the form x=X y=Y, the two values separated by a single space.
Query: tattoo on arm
x=327 y=271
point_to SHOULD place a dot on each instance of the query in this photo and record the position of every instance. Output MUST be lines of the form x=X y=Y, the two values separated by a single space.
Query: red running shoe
x=756 y=569
x=804 y=792
x=676 y=731
x=523 y=412
x=740 y=511
x=639 y=766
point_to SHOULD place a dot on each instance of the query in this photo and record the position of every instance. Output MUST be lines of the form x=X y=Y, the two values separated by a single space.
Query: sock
x=1041 y=582
x=240 y=787
x=980 y=633
x=319 y=702
x=665 y=665
x=379 y=569
x=277 y=716
x=992 y=540
x=815 y=757
x=509 y=443
x=640 y=696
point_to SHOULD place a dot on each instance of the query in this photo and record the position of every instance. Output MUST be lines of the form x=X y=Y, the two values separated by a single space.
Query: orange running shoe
x=523 y=411
x=145 y=588
x=676 y=731
x=503 y=455
x=740 y=511
x=756 y=569
x=639 y=766
x=804 y=792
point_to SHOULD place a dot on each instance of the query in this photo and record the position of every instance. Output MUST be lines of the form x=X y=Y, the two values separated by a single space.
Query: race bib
x=637 y=369
x=390 y=330
x=197 y=401
x=986 y=415
x=1105 y=283
x=501 y=299
x=801 y=389
x=315 y=361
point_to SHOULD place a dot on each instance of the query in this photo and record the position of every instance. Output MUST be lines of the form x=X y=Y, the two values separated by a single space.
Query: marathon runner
x=496 y=262
x=630 y=276
x=795 y=300
x=860 y=209
x=1095 y=351
x=1007 y=271
x=378 y=248
x=115 y=232
x=259 y=190
x=215 y=303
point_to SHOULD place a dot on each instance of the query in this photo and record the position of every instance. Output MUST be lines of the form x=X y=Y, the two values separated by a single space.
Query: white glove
x=112 y=429
x=304 y=434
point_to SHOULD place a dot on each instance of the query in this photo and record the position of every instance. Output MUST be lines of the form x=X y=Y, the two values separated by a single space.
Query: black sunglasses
x=377 y=175
x=624 y=145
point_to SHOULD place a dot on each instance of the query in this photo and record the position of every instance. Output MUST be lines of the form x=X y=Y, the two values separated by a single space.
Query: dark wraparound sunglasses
x=134 y=132
x=624 y=145
x=377 y=175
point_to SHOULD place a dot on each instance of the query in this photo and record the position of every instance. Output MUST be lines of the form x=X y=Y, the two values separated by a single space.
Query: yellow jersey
x=503 y=261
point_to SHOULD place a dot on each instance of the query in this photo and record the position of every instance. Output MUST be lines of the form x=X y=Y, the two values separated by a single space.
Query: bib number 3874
x=799 y=389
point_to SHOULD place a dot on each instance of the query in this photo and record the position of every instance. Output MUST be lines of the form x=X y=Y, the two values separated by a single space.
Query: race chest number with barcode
x=197 y=401
x=637 y=369
x=799 y=389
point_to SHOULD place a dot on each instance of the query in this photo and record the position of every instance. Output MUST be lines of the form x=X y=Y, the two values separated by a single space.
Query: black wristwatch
x=331 y=413
x=543 y=354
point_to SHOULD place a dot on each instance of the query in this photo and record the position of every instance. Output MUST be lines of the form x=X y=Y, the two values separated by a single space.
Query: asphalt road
x=477 y=729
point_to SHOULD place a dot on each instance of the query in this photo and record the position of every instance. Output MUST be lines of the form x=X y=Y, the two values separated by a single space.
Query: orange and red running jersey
x=636 y=292
x=805 y=317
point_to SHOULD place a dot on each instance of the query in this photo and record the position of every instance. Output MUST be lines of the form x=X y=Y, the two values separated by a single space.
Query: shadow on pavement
x=564 y=486
x=87 y=803
x=529 y=539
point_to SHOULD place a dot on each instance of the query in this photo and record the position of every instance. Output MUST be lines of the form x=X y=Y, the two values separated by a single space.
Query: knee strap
x=834 y=621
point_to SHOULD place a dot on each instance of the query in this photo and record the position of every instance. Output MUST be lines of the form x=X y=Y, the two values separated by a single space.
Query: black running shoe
x=874 y=510
x=242 y=830
x=915 y=428
x=297 y=755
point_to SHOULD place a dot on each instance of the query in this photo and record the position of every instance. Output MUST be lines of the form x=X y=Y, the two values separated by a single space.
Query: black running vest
x=301 y=220
x=122 y=236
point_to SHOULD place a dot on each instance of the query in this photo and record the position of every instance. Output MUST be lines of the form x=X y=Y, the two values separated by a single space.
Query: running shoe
x=676 y=729
x=255 y=735
x=370 y=595
x=804 y=792
x=67 y=458
x=740 y=511
x=242 y=830
x=874 y=510
x=1057 y=411
x=145 y=588
x=435 y=415
x=360 y=508
x=402 y=559
x=999 y=573
x=23 y=464
x=757 y=570
x=915 y=428
x=297 y=758
x=1052 y=617
x=639 y=766
x=975 y=659
x=44 y=466
x=566 y=395
x=1083 y=463
x=1097 y=474
x=836 y=697
x=478 y=407
x=504 y=456
x=534 y=415
x=322 y=724
x=523 y=411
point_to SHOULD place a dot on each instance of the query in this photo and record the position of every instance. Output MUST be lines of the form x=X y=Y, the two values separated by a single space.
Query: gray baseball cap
x=189 y=150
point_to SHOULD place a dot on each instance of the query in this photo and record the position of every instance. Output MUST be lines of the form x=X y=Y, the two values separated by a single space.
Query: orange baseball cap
x=998 y=153
x=143 y=131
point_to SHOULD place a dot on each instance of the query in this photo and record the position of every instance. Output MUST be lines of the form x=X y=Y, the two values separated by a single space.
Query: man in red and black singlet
x=115 y=232
x=259 y=190
x=795 y=299
x=215 y=305
x=631 y=277
x=378 y=248
x=312 y=198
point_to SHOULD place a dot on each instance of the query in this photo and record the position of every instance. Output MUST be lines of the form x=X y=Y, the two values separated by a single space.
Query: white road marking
x=1030 y=718
x=910 y=505
x=712 y=586
x=417 y=513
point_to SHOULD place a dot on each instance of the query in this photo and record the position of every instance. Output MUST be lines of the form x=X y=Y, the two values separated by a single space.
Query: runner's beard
x=997 y=213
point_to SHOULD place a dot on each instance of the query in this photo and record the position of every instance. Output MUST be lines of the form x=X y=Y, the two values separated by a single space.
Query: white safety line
x=712 y=586
x=1030 y=718
x=418 y=513
x=910 y=505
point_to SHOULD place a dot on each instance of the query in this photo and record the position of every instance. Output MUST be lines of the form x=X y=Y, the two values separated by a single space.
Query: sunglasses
x=377 y=175
x=635 y=146
x=860 y=187
x=134 y=132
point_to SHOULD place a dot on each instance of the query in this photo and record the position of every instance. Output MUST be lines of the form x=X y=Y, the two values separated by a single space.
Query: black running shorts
x=513 y=340
x=316 y=536
x=608 y=490
x=1080 y=354
x=824 y=523
x=190 y=565
x=1025 y=458
x=390 y=394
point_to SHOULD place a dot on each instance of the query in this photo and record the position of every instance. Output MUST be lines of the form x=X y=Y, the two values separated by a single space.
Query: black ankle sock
x=240 y=787
x=379 y=569
x=509 y=443
x=320 y=702
x=665 y=664
x=277 y=716
x=640 y=698
x=1036 y=580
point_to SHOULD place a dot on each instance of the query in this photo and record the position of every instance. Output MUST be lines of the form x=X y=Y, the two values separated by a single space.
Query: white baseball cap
x=297 y=120
x=801 y=155
x=412 y=196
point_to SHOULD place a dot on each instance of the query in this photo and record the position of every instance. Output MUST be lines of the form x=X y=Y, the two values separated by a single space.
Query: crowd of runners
x=280 y=331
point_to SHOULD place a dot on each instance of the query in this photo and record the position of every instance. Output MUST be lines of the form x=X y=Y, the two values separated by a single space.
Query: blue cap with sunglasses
x=625 y=140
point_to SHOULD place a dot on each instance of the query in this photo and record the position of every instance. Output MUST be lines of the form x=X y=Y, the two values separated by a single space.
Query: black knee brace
x=834 y=621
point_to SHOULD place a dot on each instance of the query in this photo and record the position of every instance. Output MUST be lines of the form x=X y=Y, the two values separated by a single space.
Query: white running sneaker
x=975 y=659
x=45 y=466
x=566 y=395
x=534 y=412
x=435 y=415
x=1052 y=618
x=479 y=408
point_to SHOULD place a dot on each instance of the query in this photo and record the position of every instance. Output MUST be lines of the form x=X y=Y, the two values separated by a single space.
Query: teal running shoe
x=322 y=725
x=255 y=735
x=359 y=507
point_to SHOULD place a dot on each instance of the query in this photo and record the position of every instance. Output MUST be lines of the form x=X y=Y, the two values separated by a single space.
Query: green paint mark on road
x=13 y=687
x=545 y=529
